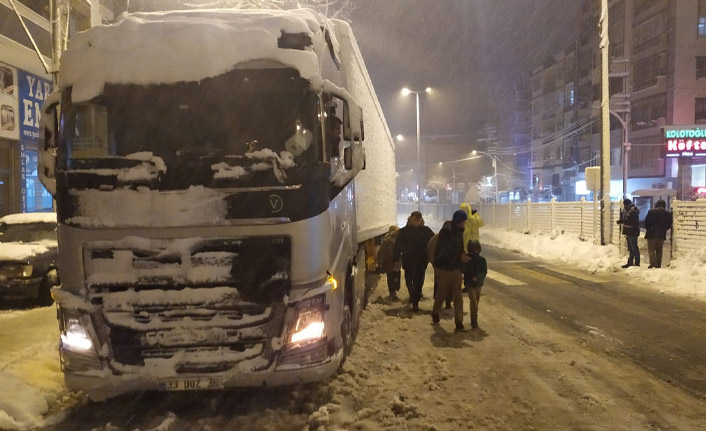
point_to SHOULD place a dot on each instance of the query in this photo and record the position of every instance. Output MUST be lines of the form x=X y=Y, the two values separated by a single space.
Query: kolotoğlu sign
x=685 y=141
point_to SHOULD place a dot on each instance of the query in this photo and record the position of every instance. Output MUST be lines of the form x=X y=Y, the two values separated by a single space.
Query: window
x=646 y=112
x=648 y=31
x=645 y=72
x=701 y=25
x=616 y=30
x=700 y=110
x=700 y=67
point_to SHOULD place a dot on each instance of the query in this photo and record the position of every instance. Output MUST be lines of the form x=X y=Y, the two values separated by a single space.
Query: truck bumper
x=101 y=387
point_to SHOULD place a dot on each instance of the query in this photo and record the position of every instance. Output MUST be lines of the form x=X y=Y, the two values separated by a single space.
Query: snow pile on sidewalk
x=29 y=369
x=685 y=276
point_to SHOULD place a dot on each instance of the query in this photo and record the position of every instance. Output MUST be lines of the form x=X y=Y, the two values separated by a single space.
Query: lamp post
x=495 y=169
x=406 y=92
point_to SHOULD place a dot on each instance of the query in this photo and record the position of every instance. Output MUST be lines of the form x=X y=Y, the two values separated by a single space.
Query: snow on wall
x=183 y=46
x=375 y=186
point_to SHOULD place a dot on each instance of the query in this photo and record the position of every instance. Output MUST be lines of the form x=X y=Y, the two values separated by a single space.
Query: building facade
x=24 y=84
x=657 y=79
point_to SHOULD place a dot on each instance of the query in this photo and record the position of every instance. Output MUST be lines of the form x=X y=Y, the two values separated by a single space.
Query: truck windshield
x=245 y=127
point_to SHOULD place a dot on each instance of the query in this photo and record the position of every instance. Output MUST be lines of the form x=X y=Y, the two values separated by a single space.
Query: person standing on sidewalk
x=449 y=258
x=386 y=261
x=657 y=222
x=411 y=254
x=630 y=220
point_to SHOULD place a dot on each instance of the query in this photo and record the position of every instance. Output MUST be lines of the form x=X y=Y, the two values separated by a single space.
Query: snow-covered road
x=517 y=373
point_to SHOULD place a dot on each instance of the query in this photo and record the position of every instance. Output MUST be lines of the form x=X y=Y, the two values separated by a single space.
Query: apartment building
x=657 y=79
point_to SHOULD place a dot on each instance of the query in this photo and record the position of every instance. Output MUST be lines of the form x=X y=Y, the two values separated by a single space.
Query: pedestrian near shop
x=657 y=222
x=630 y=221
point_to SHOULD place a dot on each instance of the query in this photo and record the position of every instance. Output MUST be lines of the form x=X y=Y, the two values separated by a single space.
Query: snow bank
x=685 y=276
x=25 y=218
x=184 y=46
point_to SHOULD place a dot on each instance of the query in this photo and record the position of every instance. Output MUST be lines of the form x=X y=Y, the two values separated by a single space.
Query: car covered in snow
x=28 y=257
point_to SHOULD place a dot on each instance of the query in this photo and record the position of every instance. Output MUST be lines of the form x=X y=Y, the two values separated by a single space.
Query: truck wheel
x=346 y=334
x=50 y=280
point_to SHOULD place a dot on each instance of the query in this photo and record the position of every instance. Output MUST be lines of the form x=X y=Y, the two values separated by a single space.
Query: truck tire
x=50 y=280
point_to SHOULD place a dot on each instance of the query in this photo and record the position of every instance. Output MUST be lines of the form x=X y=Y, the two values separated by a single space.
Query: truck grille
x=203 y=304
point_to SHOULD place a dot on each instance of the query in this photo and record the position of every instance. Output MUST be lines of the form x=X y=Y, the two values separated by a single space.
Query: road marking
x=576 y=274
x=541 y=277
x=504 y=279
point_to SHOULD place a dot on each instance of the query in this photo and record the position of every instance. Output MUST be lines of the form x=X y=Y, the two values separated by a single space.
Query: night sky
x=466 y=50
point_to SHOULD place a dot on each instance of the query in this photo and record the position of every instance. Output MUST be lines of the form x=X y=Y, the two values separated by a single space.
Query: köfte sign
x=685 y=141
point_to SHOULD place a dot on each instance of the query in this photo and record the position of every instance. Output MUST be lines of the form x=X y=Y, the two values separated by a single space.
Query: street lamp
x=406 y=92
x=495 y=169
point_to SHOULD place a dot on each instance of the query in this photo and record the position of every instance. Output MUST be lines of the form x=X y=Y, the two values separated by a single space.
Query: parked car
x=28 y=257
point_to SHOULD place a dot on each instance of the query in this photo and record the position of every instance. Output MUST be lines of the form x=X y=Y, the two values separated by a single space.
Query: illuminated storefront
x=21 y=96
x=688 y=144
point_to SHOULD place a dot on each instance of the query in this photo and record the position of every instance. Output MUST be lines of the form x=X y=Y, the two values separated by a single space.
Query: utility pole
x=605 y=126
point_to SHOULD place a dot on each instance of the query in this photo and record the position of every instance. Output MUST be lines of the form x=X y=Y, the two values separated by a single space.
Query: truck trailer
x=220 y=178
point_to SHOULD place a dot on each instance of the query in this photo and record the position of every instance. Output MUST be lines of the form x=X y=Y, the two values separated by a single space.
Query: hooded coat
x=471 y=231
x=386 y=254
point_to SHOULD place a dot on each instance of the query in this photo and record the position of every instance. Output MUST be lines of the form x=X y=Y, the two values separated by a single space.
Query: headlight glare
x=16 y=271
x=74 y=336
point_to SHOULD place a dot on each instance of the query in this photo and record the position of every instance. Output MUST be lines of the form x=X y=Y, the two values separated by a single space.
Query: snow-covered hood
x=183 y=46
x=22 y=252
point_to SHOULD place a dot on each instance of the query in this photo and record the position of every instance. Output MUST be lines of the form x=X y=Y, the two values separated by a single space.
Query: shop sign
x=9 y=114
x=33 y=90
x=685 y=141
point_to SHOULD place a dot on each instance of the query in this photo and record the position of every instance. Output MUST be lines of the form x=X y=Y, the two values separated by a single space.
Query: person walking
x=473 y=278
x=431 y=246
x=411 y=254
x=448 y=260
x=630 y=221
x=657 y=222
x=386 y=261
x=471 y=230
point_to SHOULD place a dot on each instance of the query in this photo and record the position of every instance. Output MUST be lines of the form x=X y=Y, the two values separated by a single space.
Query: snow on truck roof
x=25 y=218
x=183 y=46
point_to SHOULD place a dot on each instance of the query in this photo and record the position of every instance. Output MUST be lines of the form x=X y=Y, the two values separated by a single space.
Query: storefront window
x=37 y=197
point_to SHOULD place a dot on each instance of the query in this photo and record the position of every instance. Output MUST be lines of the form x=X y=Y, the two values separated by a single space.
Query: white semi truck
x=220 y=177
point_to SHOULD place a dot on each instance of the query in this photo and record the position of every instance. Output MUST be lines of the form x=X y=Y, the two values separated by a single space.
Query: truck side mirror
x=48 y=140
x=346 y=123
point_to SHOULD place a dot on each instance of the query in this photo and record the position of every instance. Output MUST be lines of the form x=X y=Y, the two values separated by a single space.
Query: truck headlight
x=16 y=270
x=309 y=323
x=74 y=336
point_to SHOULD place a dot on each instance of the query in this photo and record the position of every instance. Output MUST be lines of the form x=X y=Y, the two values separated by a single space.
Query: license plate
x=191 y=384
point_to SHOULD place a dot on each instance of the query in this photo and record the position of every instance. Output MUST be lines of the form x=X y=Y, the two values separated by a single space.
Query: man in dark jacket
x=657 y=222
x=630 y=220
x=411 y=250
x=449 y=258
